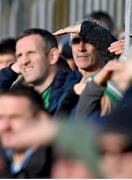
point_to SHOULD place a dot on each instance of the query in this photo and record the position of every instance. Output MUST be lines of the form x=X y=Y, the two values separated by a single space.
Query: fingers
x=60 y=32
x=123 y=75
x=106 y=72
x=70 y=29
x=117 y=47
x=79 y=87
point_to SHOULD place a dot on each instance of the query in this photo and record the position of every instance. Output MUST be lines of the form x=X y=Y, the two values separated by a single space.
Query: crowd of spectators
x=65 y=107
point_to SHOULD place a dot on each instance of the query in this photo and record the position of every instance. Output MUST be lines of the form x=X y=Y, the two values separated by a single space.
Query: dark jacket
x=38 y=166
x=62 y=86
x=92 y=95
x=7 y=77
x=4 y=165
x=62 y=91
x=88 y=106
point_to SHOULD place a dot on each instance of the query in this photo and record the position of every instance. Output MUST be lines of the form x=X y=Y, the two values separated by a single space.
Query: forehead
x=12 y=102
x=28 y=41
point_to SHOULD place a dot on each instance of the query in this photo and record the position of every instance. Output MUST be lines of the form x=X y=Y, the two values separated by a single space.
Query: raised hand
x=117 y=47
x=69 y=29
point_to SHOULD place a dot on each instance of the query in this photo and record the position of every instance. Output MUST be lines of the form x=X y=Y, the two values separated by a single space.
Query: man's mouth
x=82 y=55
x=7 y=134
x=28 y=69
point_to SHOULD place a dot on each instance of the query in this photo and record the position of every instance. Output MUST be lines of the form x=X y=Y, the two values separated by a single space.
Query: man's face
x=34 y=63
x=6 y=60
x=116 y=156
x=15 y=114
x=86 y=56
x=68 y=168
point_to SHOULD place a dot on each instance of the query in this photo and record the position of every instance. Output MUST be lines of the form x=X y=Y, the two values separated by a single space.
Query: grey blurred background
x=17 y=15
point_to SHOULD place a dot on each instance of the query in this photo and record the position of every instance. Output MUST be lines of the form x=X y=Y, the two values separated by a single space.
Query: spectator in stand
x=37 y=56
x=7 y=52
x=105 y=19
x=67 y=54
x=91 y=54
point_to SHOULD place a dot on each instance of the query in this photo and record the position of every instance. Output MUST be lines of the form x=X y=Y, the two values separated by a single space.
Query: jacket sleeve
x=68 y=104
x=7 y=77
x=90 y=99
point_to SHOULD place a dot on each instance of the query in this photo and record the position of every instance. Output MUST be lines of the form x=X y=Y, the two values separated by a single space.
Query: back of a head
x=104 y=18
x=92 y=32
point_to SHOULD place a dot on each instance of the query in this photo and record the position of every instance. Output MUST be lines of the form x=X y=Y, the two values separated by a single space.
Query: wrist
x=15 y=68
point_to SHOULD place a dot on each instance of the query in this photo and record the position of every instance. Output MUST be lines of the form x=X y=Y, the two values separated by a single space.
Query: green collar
x=45 y=96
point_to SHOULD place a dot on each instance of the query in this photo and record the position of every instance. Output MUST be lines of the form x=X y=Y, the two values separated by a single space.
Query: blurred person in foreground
x=7 y=52
x=75 y=153
x=114 y=141
x=116 y=135
x=19 y=108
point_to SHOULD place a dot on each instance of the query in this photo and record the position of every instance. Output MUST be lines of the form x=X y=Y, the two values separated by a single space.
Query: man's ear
x=53 y=56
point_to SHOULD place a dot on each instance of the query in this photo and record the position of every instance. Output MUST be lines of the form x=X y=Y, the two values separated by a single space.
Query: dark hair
x=62 y=64
x=7 y=46
x=27 y=92
x=101 y=38
x=100 y=15
x=67 y=51
x=49 y=39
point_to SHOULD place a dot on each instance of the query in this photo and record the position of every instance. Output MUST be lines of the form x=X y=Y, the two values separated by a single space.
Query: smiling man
x=37 y=55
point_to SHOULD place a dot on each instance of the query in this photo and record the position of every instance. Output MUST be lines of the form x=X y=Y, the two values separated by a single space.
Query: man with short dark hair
x=20 y=107
x=37 y=55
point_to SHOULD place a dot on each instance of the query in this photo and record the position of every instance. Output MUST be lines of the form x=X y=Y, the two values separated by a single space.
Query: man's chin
x=27 y=80
x=6 y=140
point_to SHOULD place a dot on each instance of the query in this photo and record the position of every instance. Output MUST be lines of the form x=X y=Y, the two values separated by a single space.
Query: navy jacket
x=62 y=88
x=38 y=166
x=62 y=92
x=7 y=77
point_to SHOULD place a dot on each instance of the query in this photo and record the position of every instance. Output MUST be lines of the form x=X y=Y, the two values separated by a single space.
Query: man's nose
x=82 y=47
x=25 y=60
x=6 y=123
